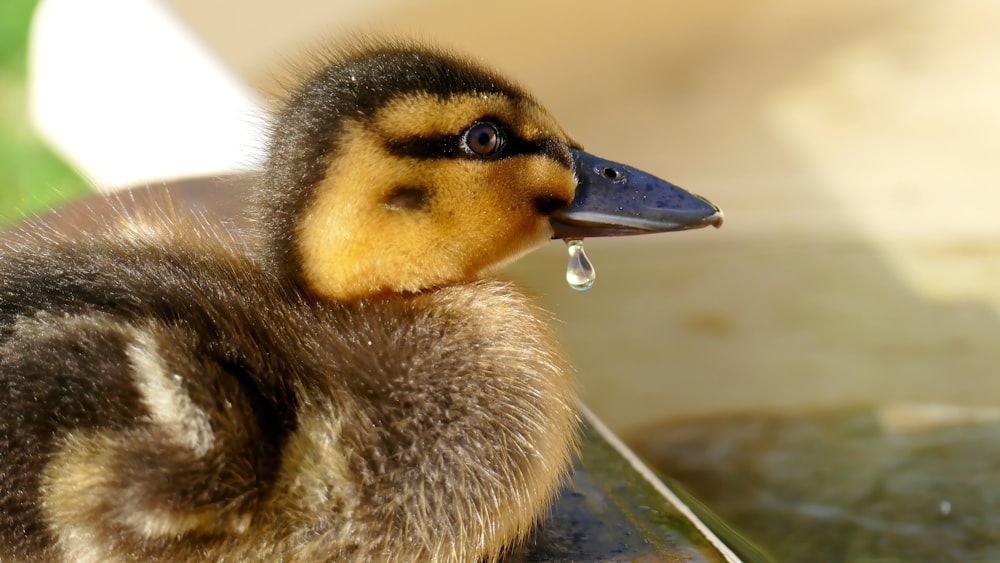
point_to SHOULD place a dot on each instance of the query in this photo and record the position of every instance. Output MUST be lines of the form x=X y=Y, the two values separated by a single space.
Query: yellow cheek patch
x=479 y=214
x=350 y=244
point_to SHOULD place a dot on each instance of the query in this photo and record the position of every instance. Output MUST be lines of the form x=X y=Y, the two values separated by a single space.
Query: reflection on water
x=846 y=484
x=687 y=329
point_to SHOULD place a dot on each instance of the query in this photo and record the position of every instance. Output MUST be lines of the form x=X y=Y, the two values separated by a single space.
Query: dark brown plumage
x=373 y=430
x=346 y=384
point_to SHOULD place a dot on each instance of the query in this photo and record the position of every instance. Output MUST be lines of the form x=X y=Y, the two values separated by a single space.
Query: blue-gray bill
x=613 y=199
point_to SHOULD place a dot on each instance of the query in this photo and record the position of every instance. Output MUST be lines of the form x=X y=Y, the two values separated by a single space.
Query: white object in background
x=127 y=95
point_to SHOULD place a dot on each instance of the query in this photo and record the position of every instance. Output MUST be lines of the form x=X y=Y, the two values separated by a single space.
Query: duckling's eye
x=483 y=139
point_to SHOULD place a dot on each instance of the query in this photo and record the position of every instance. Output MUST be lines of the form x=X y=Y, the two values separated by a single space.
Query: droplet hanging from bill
x=580 y=273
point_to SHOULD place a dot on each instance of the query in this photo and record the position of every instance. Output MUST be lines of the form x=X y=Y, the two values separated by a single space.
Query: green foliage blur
x=32 y=178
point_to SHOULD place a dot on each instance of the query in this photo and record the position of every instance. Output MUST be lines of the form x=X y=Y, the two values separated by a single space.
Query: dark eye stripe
x=554 y=149
x=450 y=146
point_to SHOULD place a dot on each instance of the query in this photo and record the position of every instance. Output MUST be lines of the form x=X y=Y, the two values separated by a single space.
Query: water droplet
x=580 y=272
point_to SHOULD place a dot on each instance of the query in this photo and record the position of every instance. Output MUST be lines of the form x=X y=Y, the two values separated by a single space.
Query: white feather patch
x=164 y=396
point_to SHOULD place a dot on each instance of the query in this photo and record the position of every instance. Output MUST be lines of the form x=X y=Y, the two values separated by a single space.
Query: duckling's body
x=353 y=387
x=156 y=405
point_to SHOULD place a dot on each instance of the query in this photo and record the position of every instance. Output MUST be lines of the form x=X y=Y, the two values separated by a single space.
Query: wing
x=133 y=408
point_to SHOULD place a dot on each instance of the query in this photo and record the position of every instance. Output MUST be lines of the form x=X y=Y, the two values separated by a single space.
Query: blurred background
x=827 y=359
x=31 y=177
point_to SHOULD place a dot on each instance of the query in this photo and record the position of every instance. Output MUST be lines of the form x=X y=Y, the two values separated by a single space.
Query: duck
x=347 y=379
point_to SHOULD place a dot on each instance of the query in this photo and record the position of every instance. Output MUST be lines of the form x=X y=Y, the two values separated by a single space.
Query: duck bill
x=613 y=199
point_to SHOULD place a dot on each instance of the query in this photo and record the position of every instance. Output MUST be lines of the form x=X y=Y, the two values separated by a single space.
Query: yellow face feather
x=467 y=216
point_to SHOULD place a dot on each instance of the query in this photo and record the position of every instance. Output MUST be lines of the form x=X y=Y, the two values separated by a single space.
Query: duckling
x=348 y=384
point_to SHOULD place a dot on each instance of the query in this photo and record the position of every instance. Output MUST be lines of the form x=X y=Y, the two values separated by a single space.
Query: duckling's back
x=165 y=397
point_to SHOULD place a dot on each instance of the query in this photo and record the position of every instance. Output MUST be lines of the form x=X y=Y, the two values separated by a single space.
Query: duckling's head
x=401 y=168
